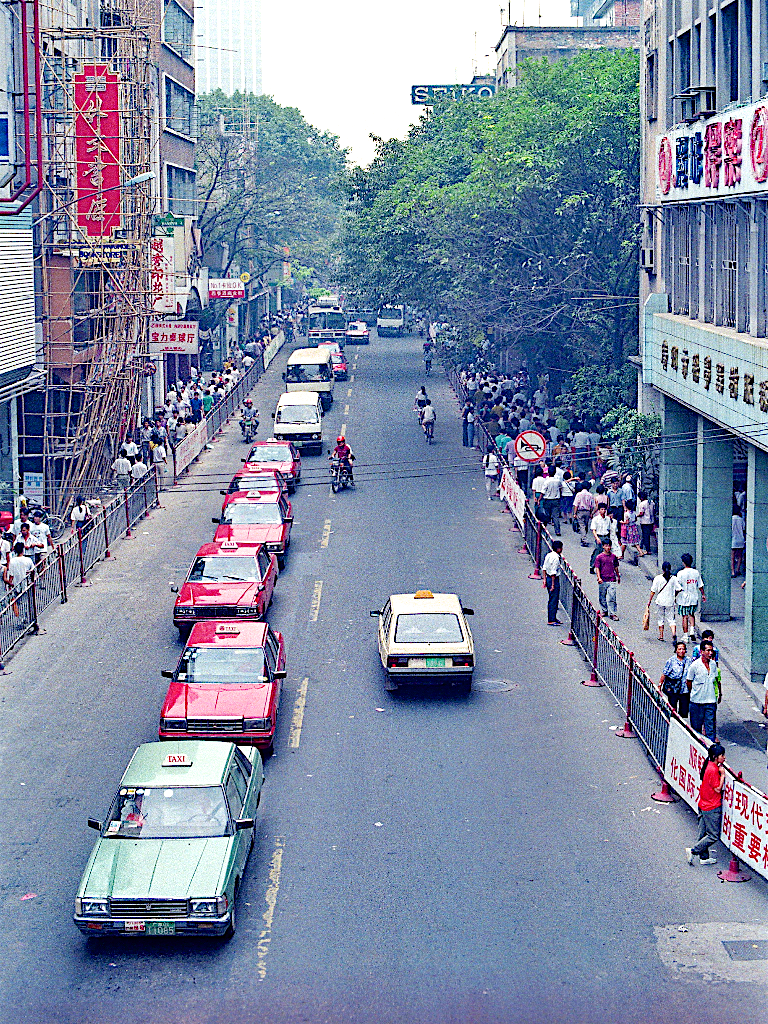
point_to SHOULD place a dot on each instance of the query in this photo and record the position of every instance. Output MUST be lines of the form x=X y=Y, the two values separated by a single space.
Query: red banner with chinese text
x=97 y=150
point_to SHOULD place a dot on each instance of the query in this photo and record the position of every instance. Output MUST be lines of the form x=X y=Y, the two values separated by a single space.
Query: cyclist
x=421 y=401
x=428 y=419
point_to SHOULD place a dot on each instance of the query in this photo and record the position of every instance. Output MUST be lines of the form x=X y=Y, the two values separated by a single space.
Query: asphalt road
x=422 y=857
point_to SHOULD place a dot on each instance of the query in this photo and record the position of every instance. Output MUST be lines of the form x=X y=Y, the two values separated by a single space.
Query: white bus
x=326 y=323
x=391 y=321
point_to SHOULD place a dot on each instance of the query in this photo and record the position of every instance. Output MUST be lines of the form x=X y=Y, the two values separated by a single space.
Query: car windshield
x=270 y=453
x=248 y=513
x=212 y=570
x=297 y=414
x=307 y=373
x=428 y=628
x=223 y=665
x=179 y=813
x=337 y=357
x=253 y=481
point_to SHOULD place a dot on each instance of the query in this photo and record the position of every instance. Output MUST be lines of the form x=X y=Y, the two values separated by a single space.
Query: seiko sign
x=428 y=94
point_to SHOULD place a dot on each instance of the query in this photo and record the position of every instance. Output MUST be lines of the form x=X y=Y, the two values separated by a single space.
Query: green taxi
x=171 y=854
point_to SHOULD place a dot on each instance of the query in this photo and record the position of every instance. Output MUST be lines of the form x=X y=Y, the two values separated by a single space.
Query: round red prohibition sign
x=530 y=446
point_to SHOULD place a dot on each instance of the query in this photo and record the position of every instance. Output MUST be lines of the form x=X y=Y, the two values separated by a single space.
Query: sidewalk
x=741 y=725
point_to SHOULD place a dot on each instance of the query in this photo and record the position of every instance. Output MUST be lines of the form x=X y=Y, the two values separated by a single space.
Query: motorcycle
x=341 y=476
x=249 y=428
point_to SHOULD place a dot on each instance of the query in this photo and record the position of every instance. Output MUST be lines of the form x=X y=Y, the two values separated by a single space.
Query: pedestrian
x=704 y=691
x=583 y=511
x=20 y=569
x=738 y=542
x=600 y=527
x=550 y=499
x=665 y=588
x=673 y=682
x=160 y=462
x=138 y=470
x=79 y=516
x=645 y=512
x=121 y=467
x=131 y=450
x=491 y=471
x=707 y=634
x=568 y=489
x=608 y=578
x=632 y=537
x=467 y=408
x=551 y=570
x=615 y=499
x=33 y=545
x=712 y=774
x=42 y=532
x=691 y=586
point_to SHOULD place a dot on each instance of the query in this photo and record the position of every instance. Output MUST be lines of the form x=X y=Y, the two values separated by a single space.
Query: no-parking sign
x=530 y=446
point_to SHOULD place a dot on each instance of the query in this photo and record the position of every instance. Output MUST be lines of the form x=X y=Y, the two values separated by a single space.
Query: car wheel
x=389 y=684
x=232 y=919
x=267 y=752
x=184 y=632
x=280 y=566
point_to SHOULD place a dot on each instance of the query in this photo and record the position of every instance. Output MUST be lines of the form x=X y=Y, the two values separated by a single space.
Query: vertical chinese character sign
x=97 y=148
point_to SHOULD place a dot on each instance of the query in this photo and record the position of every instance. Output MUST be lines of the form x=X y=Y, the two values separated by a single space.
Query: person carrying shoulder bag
x=665 y=589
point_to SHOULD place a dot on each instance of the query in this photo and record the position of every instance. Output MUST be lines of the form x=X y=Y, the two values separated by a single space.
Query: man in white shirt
x=121 y=467
x=18 y=571
x=138 y=470
x=688 y=599
x=550 y=499
x=43 y=532
x=131 y=450
x=601 y=530
x=551 y=570
x=159 y=460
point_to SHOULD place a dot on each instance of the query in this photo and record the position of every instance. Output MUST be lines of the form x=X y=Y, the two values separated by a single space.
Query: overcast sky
x=349 y=65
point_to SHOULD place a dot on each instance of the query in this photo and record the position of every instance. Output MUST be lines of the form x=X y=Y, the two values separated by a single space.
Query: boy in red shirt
x=710 y=805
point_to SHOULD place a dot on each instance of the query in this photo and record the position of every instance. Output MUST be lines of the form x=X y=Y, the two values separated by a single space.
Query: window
x=181 y=191
x=178 y=27
x=179 y=108
x=730 y=20
x=234 y=799
x=683 y=240
x=651 y=90
x=728 y=246
x=5 y=150
x=263 y=558
x=684 y=61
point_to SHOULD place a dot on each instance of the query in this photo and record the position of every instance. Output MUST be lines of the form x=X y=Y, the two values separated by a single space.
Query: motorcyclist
x=343 y=453
x=248 y=417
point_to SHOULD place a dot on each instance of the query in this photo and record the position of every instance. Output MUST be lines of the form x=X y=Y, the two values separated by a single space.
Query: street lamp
x=137 y=180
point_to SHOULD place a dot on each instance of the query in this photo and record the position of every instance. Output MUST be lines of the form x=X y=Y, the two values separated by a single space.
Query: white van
x=299 y=418
x=311 y=369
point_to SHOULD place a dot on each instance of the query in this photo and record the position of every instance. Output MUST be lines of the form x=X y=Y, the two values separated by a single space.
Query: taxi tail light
x=393 y=662
x=465 y=661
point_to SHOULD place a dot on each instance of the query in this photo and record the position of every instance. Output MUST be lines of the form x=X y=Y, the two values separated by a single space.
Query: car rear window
x=248 y=513
x=428 y=628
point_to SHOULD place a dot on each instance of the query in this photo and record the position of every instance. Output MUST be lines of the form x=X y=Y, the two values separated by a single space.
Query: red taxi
x=226 y=685
x=357 y=333
x=227 y=580
x=279 y=455
x=264 y=480
x=257 y=517
x=339 y=366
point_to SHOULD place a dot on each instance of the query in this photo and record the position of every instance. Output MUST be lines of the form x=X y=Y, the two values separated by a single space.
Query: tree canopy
x=516 y=215
x=267 y=179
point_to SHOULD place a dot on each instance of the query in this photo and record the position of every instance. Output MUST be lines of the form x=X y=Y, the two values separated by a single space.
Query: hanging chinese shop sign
x=162 y=276
x=174 y=336
x=724 y=156
x=97 y=150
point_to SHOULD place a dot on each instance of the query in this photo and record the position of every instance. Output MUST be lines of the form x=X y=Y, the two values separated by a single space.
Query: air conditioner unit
x=647 y=260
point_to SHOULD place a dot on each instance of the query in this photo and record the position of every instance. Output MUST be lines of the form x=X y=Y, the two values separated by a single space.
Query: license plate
x=437 y=662
x=417 y=663
x=135 y=926
x=161 y=928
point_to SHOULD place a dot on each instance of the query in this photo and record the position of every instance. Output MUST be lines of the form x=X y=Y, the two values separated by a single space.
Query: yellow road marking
x=349 y=392
x=326 y=533
x=352 y=379
x=294 y=736
x=314 y=608
x=346 y=410
x=270 y=898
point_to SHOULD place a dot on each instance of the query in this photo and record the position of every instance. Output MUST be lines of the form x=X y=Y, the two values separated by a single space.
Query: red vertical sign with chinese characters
x=97 y=150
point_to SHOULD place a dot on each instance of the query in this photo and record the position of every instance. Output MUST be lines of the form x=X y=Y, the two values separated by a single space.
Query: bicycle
x=429 y=430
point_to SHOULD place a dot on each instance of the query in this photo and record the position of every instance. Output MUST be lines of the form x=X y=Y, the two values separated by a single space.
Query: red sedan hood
x=217 y=593
x=208 y=700
x=256 y=534
x=286 y=468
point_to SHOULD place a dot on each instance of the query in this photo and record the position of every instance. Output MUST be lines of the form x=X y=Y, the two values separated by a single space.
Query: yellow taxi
x=425 y=638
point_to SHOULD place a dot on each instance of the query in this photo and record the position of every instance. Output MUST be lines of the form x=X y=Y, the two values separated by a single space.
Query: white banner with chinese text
x=188 y=450
x=513 y=494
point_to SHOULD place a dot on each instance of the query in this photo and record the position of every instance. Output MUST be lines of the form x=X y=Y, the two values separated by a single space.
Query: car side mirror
x=242 y=823
x=243 y=461
x=283 y=376
x=261 y=587
x=273 y=415
x=174 y=589
x=279 y=674
x=222 y=492
x=166 y=673
x=288 y=519
x=468 y=611
x=215 y=520
x=95 y=823
x=375 y=614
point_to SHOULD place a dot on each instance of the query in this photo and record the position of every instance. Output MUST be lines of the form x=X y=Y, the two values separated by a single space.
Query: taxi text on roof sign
x=229 y=545
x=177 y=761
x=229 y=630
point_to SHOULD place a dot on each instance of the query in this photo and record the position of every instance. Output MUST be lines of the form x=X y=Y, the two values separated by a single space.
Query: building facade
x=229 y=46
x=704 y=290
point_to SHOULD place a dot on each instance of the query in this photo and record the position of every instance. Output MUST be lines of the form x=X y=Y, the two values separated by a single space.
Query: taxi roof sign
x=177 y=761
x=423 y=593
x=228 y=629
x=229 y=545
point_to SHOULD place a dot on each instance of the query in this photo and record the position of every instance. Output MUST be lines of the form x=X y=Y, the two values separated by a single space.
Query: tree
x=515 y=217
x=266 y=179
x=634 y=439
